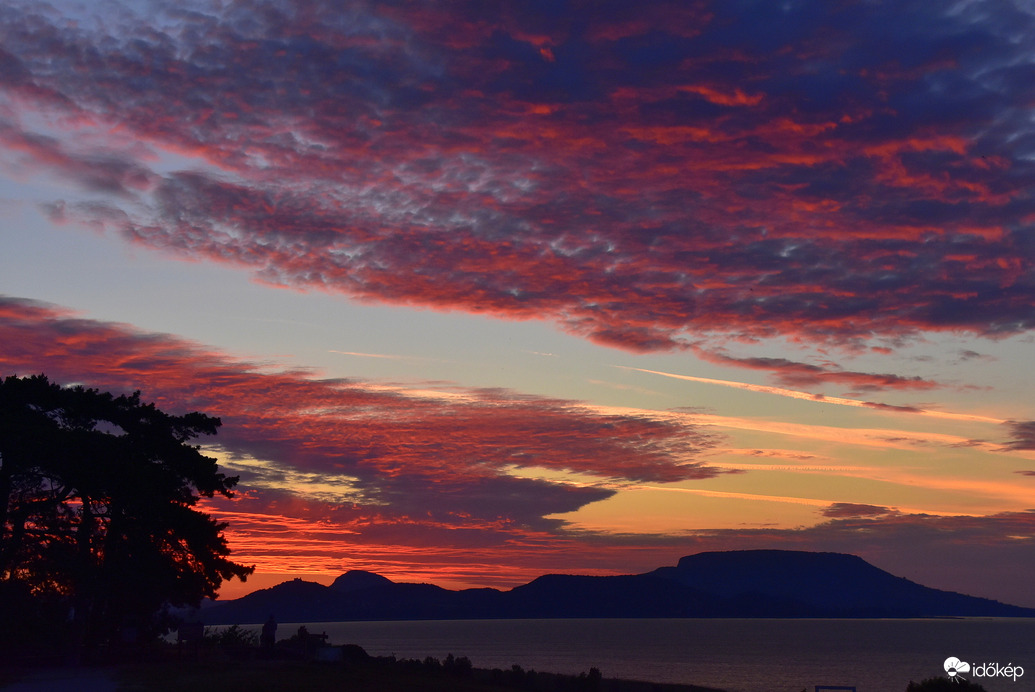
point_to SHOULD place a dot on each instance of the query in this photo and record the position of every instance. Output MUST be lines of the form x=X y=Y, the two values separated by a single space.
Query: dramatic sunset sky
x=485 y=290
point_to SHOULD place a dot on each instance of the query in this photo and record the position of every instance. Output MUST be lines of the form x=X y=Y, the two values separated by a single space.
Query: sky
x=487 y=290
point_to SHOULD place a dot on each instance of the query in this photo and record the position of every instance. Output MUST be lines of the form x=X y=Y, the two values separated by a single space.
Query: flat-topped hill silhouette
x=747 y=583
x=787 y=583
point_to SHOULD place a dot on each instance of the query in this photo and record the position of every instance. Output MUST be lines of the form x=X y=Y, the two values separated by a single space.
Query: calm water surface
x=739 y=655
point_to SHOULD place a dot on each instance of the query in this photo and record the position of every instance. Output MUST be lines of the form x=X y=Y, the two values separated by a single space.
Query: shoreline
x=213 y=670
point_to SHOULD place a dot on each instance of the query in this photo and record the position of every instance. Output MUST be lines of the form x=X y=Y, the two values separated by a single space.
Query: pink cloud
x=633 y=177
x=366 y=458
x=417 y=485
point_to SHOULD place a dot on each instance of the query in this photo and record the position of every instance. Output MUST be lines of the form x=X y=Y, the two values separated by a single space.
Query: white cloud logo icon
x=954 y=666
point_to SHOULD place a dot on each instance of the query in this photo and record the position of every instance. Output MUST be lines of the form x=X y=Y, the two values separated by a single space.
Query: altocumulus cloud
x=339 y=472
x=640 y=175
x=375 y=462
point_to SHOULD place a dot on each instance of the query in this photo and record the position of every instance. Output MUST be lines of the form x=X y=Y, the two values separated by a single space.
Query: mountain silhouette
x=746 y=583
x=357 y=580
x=787 y=583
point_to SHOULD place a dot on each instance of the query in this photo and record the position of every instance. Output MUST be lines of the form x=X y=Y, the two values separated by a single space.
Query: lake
x=739 y=655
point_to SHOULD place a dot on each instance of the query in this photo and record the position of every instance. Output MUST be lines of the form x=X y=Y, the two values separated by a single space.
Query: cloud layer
x=641 y=176
x=374 y=464
x=422 y=484
x=650 y=176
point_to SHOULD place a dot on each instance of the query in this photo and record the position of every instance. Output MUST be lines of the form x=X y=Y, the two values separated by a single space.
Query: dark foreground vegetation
x=102 y=543
x=379 y=674
x=100 y=534
x=306 y=661
x=231 y=660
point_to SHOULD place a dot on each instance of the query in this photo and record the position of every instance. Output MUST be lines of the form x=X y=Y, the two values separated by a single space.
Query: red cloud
x=439 y=460
x=418 y=486
x=663 y=175
x=333 y=424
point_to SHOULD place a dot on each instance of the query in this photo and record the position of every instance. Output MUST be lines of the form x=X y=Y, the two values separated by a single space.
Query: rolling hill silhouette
x=748 y=583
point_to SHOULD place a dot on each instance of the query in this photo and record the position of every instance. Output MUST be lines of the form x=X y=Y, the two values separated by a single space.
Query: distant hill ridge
x=745 y=583
x=357 y=580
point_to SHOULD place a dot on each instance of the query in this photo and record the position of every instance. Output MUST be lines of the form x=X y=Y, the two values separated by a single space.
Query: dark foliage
x=99 y=532
x=234 y=640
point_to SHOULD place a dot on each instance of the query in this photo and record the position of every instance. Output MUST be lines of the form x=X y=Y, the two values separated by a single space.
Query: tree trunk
x=6 y=537
x=83 y=597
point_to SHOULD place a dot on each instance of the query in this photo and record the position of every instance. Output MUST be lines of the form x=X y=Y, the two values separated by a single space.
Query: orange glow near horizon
x=440 y=272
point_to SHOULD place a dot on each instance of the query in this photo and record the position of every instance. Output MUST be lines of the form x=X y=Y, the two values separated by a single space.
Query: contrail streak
x=820 y=398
